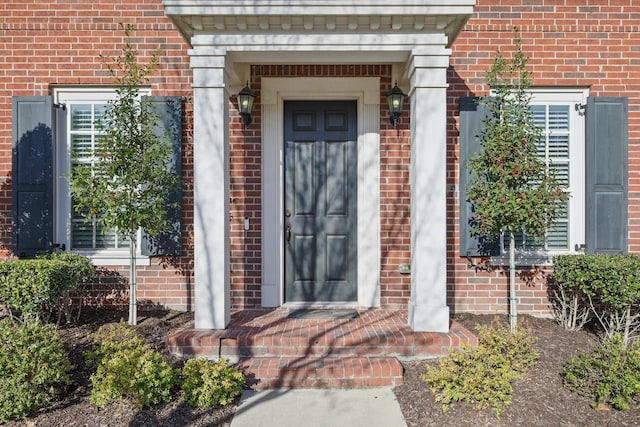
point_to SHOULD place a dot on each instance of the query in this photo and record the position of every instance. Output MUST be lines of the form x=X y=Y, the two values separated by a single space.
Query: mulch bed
x=76 y=410
x=539 y=400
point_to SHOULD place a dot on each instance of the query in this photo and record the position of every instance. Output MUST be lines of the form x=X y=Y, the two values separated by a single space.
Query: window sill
x=116 y=258
x=529 y=259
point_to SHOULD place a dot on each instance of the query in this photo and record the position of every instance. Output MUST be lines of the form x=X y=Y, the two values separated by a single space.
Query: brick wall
x=48 y=43
x=570 y=44
x=45 y=43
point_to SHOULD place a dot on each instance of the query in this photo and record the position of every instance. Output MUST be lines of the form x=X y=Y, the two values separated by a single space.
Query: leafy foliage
x=34 y=366
x=30 y=287
x=570 y=303
x=484 y=374
x=208 y=384
x=608 y=375
x=512 y=188
x=127 y=187
x=609 y=284
x=128 y=368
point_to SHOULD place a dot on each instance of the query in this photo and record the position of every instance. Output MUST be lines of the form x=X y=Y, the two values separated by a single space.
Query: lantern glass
x=245 y=104
x=245 y=100
x=395 y=99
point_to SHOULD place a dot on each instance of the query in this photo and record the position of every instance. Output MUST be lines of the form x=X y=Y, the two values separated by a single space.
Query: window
x=572 y=137
x=77 y=142
x=44 y=136
x=562 y=148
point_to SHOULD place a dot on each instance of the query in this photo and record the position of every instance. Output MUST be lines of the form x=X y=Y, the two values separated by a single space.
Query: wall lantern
x=245 y=103
x=395 y=99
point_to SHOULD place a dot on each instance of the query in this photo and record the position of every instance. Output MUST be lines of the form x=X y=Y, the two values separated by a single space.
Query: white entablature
x=195 y=17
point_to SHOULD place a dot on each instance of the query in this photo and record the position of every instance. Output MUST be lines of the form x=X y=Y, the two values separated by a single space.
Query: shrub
x=571 y=306
x=110 y=339
x=34 y=366
x=611 y=285
x=608 y=375
x=30 y=287
x=484 y=374
x=128 y=368
x=208 y=384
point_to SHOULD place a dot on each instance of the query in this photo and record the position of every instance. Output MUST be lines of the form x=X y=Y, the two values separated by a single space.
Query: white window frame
x=62 y=167
x=577 y=176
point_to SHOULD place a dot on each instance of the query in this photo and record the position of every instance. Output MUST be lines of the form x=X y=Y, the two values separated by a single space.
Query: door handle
x=288 y=233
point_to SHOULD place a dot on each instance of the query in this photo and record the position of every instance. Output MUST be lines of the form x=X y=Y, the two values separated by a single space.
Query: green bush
x=610 y=285
x=34 y=367
x=31 y=287
x=608 y=375
x=110 y=339
x=484 y=374
x=208 y=384
x=570 y=303
x=128 y=368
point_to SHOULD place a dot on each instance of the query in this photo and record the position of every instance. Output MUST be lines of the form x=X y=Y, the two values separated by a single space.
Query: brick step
x=192 y=343
x=277 y=351
x=321 y=372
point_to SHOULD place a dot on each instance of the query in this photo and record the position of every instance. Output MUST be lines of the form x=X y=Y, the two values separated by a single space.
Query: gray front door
x=320 y=201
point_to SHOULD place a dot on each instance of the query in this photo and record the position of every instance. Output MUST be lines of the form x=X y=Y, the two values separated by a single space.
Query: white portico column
x=211 y=190
x=428 y=309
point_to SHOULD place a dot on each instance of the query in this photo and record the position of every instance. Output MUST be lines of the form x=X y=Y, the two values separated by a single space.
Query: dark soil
x=538 y=400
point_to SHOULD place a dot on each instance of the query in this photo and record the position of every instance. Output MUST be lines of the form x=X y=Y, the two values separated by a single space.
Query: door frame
x=366 y=92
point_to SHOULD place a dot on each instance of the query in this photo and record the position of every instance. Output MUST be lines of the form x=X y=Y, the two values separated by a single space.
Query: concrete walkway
x=368 y=407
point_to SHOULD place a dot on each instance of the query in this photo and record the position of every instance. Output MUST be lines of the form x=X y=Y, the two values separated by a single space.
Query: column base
x=428 y=318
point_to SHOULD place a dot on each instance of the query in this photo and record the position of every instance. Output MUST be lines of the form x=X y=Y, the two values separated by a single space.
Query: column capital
x=428 y=68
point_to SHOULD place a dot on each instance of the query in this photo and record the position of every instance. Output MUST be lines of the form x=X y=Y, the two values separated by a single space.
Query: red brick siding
x=570 y=44
x=45 y=43
x=395 y=189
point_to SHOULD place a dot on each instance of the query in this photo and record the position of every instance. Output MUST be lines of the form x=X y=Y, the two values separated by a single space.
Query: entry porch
x=301 y=348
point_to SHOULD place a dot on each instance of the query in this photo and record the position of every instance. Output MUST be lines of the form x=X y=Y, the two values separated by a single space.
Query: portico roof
x=195 y=17
x=318 y=31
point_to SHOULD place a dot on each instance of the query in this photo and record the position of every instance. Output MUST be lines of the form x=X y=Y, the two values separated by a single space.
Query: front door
x=320 y=186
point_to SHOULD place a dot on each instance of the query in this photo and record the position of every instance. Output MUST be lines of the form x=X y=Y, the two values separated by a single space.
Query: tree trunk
x=133 y=300
x=513 y=301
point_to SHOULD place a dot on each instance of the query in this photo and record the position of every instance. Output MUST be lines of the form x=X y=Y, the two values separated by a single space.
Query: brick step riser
x=318 y=372
x=271 y=383
x=244 y=352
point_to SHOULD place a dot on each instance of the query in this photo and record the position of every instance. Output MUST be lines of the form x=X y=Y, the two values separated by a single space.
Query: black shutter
x=607 y=166
x=32 y=175
x=472 y=116
x=169 y=109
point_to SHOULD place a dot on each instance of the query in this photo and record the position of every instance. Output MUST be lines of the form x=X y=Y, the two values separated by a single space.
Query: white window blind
x=85 y=150
x=553 y=149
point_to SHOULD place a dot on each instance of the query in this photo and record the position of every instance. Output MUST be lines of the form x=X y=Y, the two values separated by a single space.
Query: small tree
x=126 y=188
x=512 y=189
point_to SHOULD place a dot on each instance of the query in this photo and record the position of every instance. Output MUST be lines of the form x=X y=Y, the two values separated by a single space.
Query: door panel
x=320 y=201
